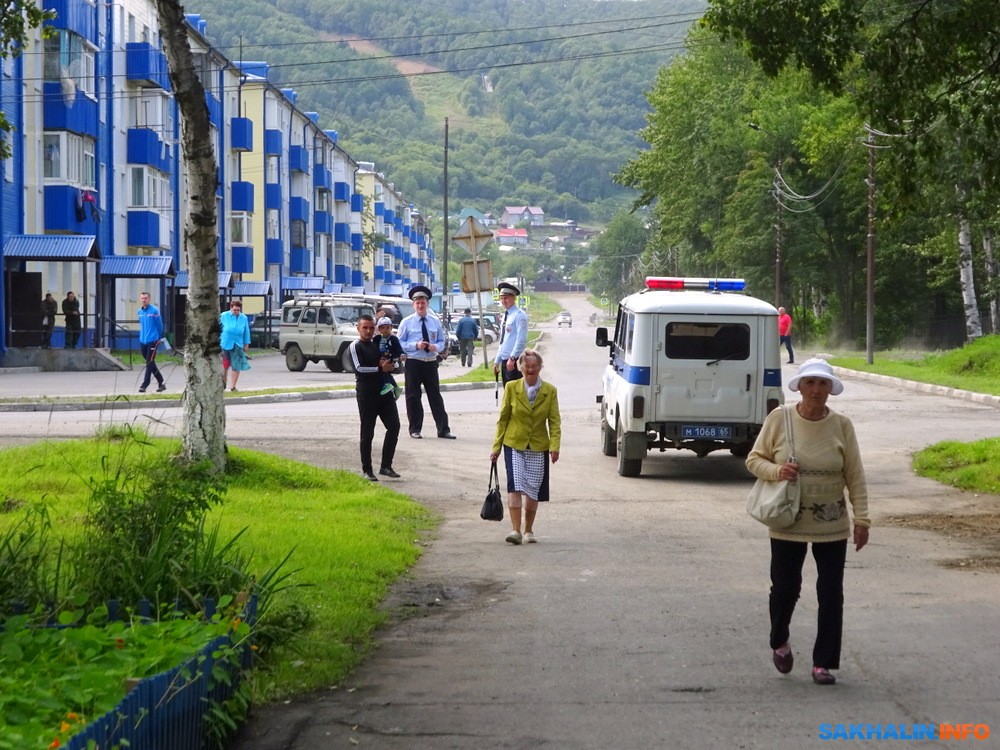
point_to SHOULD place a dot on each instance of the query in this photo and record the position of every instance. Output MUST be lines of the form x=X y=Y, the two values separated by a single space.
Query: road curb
x=913 y=385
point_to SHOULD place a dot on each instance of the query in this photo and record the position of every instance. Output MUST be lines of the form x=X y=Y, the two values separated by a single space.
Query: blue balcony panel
x=358 y=278
x=322 y=178
x=63 y=211
x=329 y=268
x=242 y=196
x=274 y=252
x=301 y=260
x=379 y=275
x=341 y=274
x=389 y=216
x=74 y=16
x=298 y=209
x=331 y=134
x=379 y=208
x=77 y=114
x=342 y=232
x=242 y=259
x=341 y=191
x=298 y=159
x=143 y=229
x=397 y=221
x=272 y=142
x=146 y=65
x=322 y=222
x=357 y=241
x=144 y=146
x=272 y=195
x=241 y=133
x=214 y=109
x=357 y=202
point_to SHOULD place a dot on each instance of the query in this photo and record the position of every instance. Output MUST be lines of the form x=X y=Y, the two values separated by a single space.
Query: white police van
x=694 y=365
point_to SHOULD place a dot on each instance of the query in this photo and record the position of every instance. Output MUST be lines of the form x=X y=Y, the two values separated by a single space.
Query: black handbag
x=493 y=504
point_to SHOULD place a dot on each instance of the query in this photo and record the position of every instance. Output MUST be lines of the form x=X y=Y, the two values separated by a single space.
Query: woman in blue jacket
x=235 y=342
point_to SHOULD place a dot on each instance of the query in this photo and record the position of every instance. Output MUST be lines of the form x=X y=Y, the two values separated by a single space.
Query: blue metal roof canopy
x=46 y=247
x=138 y=267
x=303 y=283
x=252 y=289
x=225 y=280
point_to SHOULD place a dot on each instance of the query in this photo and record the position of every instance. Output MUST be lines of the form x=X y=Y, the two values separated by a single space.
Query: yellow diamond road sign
x=472 y=235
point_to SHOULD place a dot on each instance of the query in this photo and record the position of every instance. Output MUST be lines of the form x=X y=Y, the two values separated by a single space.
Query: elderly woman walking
x=826 y=462
x=234 y=342
x=529 y=430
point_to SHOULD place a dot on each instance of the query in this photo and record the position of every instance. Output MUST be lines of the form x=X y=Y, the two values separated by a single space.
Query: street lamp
x=777 y=226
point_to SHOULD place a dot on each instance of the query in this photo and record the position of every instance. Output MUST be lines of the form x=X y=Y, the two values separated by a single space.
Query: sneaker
x=529 y=537
x=387 y=388
x=142 y=390
x=161 y=387
x=514 y=537
x=398 y=391
x=388 y=471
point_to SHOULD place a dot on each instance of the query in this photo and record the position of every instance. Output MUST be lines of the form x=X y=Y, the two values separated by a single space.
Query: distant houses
x=514 y=215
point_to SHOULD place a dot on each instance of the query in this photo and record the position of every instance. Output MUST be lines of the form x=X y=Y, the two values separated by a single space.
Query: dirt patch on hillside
x=982 y=529
x=404 y=65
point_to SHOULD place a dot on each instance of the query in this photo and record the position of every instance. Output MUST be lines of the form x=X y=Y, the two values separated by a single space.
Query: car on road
x=320 y=328
x=264 y=330
x=564 y=319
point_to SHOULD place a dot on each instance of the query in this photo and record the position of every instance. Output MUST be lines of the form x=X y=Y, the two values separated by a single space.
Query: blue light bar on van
x=680 y=282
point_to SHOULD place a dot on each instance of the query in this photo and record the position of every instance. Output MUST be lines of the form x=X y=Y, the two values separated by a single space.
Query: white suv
x=320 y=328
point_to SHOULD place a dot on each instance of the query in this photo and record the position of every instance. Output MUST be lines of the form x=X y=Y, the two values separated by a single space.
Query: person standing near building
x=71 y=309
x=513 y=333
x=785 y=333
x=371 y=366
x=424 y=340
x=467 y=332
x=50 y=309
x=234 y=342
x=150 y=333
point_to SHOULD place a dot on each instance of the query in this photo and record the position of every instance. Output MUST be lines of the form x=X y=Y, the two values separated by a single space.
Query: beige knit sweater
x=829 y=461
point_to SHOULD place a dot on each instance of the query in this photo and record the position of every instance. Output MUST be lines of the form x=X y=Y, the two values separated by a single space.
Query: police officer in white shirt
x=513 y=333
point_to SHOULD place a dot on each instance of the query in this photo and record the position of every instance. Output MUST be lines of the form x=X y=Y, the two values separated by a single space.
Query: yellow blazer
x=523 y=425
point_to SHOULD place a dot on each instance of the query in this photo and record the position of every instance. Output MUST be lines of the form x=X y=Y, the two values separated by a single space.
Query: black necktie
x=503 y=329
x=423 y=330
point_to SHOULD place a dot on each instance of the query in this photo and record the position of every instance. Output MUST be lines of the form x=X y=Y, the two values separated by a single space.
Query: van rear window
x=708 y=341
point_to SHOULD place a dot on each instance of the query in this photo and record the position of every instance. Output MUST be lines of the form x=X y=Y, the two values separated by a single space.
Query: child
x=389 y=347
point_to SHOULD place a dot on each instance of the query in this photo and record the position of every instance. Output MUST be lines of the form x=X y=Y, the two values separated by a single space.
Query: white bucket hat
x=383 y=322
x=817 y=368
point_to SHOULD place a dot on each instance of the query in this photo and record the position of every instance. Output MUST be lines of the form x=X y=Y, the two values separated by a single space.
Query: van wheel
x=609 y=445
x=294 y=359
x=628 y=467
x=740 y=451
x=346 y=363
x=332 y=364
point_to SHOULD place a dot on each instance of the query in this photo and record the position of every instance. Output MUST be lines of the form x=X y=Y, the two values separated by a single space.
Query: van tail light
x=638 y=407
x=772 y=404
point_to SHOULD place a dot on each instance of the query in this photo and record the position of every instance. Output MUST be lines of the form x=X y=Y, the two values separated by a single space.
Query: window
x=271 y=169
x=271 y=226
x=148 y=189
x=299 y=233
x=69 y=59
x=241 y=228
x=714 y=341
x=70 y=158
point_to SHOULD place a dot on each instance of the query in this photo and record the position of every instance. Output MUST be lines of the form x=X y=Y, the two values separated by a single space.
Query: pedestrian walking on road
x=424 y=343
x=150 y=333
x=234 y=342
x=529 y=429
x=374 y=403
x=785 y=333
x=827 y=462
x=467 y=332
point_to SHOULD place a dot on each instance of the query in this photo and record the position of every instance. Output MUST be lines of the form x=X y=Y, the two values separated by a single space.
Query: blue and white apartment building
x=91 y=198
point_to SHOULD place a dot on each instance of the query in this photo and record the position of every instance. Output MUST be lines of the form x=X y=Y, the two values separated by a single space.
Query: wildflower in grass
x=55 y=743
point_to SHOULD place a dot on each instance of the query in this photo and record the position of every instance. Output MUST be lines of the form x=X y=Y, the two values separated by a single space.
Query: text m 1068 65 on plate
x=706 y=431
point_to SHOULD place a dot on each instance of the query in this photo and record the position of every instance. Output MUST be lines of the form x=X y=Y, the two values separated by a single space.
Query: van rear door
x=706 y=370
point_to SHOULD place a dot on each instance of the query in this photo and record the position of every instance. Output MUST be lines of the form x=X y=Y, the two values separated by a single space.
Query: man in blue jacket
x=150 y=333
x=467 y=332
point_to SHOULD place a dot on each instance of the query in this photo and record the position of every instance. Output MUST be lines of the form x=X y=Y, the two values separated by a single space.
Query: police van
x=694 y=364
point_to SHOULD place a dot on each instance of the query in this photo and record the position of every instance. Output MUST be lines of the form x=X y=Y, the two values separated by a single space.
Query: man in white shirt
x=513 y=333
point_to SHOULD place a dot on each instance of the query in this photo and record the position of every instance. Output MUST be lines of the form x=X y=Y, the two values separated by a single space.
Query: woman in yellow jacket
x=529 y=431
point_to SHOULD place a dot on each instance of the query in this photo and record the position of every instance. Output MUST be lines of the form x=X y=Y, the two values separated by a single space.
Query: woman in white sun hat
x=828 y=463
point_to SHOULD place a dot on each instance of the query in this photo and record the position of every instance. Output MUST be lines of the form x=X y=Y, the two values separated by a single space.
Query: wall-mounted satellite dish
x=68 y=84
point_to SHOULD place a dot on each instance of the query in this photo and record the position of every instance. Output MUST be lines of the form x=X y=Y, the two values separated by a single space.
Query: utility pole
x=776 y=192
x=446 y=291
x=870 y=261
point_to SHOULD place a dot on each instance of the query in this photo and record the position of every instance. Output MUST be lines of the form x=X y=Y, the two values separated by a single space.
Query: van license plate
x=704 y=431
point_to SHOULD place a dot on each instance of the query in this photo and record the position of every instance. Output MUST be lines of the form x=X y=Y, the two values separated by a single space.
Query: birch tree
x=203 y=431
x=973 y=324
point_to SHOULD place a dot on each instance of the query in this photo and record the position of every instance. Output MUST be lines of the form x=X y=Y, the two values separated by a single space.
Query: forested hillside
x=544 y=99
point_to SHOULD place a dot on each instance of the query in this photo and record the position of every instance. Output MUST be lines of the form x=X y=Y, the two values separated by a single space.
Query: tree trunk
x=991 y=280
x=973 y=325
x=203 y=433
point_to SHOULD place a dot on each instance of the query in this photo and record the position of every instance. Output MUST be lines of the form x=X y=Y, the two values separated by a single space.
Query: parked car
x=564 y=319
x=264 y=330
x=320 y=328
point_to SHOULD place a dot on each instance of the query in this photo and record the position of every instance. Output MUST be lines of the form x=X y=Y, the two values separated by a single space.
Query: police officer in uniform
x=423 y=339
x=369 y=364
x=513 y=333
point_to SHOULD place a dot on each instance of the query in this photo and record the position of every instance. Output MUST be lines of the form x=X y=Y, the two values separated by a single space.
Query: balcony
x=298 y=209
x=64 y=213
x=242 y=196
x=341 y=191
x=242 y=259
x=298 y=159
x=272 y=195
x=144 y=146
x=342 y=232
x=357 y=241
x=301 y=260
x=322 y=222
x=146 y=66
x=214 y=109
x=143 y=229
x=274 y=252
x=72 y=15
x=272 y=142
x=357 y=202
x=241 y=133
x=76 y=112
x=322 y=179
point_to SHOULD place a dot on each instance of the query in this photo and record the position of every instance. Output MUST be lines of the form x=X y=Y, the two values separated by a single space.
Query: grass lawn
x=351 y=540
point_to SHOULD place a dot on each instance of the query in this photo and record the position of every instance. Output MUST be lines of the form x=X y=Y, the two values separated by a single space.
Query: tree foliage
x=17 y=19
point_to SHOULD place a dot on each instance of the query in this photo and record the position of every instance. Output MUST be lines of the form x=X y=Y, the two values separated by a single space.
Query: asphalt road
x=639 y=620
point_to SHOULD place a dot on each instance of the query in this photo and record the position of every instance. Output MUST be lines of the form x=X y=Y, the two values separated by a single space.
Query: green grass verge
x=351 y=539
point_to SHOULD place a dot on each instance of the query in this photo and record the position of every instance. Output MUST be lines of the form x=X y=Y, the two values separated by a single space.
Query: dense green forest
x=545 y=100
